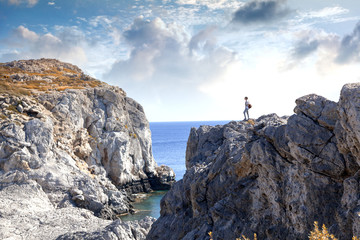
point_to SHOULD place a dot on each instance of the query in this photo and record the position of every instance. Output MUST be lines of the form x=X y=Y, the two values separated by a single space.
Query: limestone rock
x=348 y=125
x=41 y=65
x=164 y=179
x=27 y=212
x=136 y=230
x=70 y=160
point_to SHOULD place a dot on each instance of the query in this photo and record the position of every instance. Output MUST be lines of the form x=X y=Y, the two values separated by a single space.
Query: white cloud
x=109 y=26
x=326 y=49
x=23 y=33
x=101 y=21
x=168 y=64
x=51 y=3
x=326 y=12
x=30 y=3
x=349 y=50
x=66 y=46
x=334 y=14
x=314 y=44
x=160 y=49
x=212 y=4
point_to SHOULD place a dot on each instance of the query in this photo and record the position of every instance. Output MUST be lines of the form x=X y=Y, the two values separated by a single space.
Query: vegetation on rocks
x=16 y=78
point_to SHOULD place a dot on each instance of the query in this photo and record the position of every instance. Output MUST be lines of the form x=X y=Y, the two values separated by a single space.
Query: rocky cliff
x=71 y=148
x=273 y=178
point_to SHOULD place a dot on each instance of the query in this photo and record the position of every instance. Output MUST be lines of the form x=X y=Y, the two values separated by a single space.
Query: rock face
x=274 y=178
x=115 y=231
x=65 y=156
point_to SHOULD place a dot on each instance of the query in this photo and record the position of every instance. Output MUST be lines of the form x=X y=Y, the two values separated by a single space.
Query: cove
x=147 y=205
x=169 y=141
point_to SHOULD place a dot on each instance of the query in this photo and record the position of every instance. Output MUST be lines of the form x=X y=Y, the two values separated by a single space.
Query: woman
x=246 y=111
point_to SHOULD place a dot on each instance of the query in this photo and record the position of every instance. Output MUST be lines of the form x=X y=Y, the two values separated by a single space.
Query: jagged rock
x=111 y=131
x=80 y=153
x=318 y=109
x=41 y=65
x=348 y=126
x=164 y=179
x=136 y=230
x=27 y=212
x=274 y=178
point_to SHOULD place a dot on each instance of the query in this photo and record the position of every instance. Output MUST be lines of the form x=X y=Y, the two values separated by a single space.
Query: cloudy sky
x=195 y=59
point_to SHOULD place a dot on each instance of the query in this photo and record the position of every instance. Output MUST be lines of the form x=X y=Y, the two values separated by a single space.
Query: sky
x=195 y=60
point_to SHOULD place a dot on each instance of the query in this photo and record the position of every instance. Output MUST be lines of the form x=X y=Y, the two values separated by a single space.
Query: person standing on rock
x=247 y=106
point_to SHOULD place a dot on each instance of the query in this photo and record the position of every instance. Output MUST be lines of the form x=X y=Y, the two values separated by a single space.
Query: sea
x=169 y=146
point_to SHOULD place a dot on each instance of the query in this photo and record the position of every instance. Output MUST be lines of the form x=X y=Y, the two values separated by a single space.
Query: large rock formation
x=273 y=178
x=67 y=155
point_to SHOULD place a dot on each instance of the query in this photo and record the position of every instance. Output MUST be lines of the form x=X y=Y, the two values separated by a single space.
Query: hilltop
x=31 y=76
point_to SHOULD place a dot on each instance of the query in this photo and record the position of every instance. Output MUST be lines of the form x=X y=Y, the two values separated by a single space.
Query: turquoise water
x=150 y=206
x=169 y=146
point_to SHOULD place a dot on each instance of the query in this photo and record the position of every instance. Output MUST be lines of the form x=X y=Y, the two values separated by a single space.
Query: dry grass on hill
x=49 y=80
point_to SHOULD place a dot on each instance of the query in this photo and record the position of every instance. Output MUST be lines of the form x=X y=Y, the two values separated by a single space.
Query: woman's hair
x=246 y=98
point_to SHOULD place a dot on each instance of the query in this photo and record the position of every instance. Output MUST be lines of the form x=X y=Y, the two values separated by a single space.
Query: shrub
x=323 y=234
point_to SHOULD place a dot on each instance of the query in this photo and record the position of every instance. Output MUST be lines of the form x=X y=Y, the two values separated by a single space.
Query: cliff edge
x=273 y=178
x=71 y=148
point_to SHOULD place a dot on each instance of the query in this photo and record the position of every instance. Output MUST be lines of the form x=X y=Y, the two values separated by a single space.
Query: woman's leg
x=246 y=112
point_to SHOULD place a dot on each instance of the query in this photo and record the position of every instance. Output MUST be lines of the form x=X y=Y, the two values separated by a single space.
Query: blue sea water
x=169 y=146
x=169 y=143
